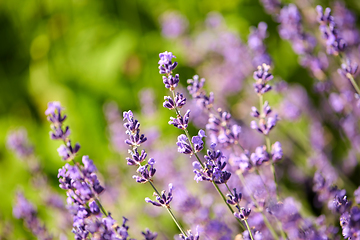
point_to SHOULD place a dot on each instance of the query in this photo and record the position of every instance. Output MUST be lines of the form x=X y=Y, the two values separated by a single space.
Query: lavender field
x=199 y=120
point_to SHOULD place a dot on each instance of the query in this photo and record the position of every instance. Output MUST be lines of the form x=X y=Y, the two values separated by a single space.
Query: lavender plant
x=238 y=156
x=148 y=170
x=213 y=169
x=90 y=219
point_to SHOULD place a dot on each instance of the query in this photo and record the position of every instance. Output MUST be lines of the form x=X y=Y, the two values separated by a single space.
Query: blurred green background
x=85 y=53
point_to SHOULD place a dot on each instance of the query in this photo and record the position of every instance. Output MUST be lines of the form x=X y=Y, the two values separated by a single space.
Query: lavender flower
x=25 y=210
x=173 y=24
x=262 y=76
x=348 y=69
x=166 y=66
x=67 y=151
x=161 y=199
x=83 y=186
x=334 y=42
x=243 y=213
x=190 y=236
x=196 y=90
x=214 y=168
x=234 y=199
x=197 y=141
x=178 y=102
x=183 y=145
x=276 y=152
x=147 y=172
x=260 y=156
x=18 y=142
x=180 y=122
x=148 y=235
x=350 y=223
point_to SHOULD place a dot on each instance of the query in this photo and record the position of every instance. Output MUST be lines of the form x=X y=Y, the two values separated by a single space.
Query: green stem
x=268 y=145
x=101 y=207
x=224 y=199
x=169 y=211
x=176 y=221
x=248 y=228
x=283 y=234
x=352 y=80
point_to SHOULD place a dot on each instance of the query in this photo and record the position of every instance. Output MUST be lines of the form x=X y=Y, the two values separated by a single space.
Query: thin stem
x=350 y=76
x=101 y=207
x=266 y=220
x=176 y=221
x=169 y=211
x=268 y=145
x=248 y=228
x=352 y=80
x=224 y=198
x=283 y=234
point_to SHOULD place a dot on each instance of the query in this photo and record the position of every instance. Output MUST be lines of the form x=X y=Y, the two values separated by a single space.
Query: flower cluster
x=83 y=187
x=148 y=170
x=335 y=44
x=214 y=168
x=25 y=210
x=162 y=200
x=18 y=142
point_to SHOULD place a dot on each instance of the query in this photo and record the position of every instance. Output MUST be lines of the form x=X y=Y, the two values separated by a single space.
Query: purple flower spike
x=136 y=139
x=128 y=115
x=214 y=168
x=183 y=145
x=169 y=103
x=23 y=209
x=266 y=108
x=149 y=235
x=53 y=107
x=234 y=199
x=62 y=150
x=334 y=42
x=165 y=58
x=196 y=90
x=18 y=142
x=348 y=69
x=324 y=17
x=147 y=172
x=197 y=141
x=260 y=156
x=254 y=112
x=136 y=157
x=276 y=151
x=54 y=113
x=162 y=199
x=171 y=82
x=262 y=76
x=190 y=236
x=178 y=102
x=180 y=122
x=165 y=63
x=243 y=213
x=94 y=208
